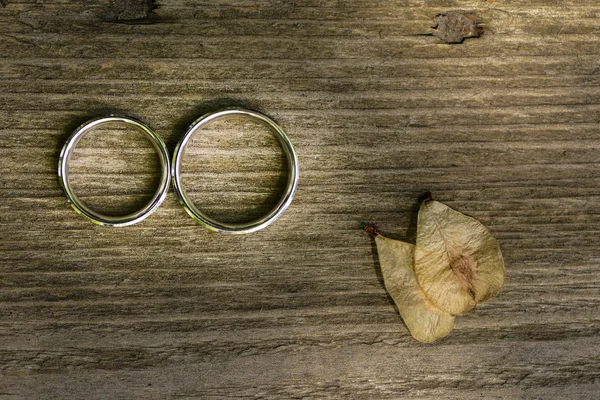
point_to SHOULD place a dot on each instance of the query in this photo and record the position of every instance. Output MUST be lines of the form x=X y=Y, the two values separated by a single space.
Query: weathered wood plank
x=504 y=127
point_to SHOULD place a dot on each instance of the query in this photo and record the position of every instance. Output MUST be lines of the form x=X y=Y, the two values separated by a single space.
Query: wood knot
x=456 y=26
x=135 y=11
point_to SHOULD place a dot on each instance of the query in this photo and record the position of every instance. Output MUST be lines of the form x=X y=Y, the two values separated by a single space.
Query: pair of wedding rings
x=172 y=171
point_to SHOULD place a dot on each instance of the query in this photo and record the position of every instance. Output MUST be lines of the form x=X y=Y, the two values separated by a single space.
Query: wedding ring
x=236 y=228
x=96 y=217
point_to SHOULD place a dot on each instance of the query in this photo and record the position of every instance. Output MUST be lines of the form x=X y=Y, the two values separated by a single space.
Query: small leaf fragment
x=424 y=320
x=458 y=262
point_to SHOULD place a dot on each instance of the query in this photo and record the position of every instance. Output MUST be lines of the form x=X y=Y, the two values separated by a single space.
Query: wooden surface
x=504 y=127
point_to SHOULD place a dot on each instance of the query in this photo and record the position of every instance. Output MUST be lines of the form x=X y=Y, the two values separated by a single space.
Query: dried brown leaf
x=424 y=320
x=458 y=262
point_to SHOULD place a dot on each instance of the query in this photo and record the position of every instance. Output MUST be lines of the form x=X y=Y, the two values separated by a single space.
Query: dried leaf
x=458 y=262
x=425 y=322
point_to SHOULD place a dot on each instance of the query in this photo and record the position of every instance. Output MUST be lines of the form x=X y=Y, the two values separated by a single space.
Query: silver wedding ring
x=174 y=171
x=98 y=218
x=236 y=228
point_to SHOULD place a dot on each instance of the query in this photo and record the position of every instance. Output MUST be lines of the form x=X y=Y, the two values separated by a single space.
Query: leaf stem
x=426 y=197
x=371 y=231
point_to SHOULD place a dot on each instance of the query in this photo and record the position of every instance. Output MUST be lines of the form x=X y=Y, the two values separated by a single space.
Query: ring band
x=237 y=228
x=98 y=218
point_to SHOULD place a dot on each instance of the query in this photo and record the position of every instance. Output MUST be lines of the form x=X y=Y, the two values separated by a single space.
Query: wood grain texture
x=505 y=128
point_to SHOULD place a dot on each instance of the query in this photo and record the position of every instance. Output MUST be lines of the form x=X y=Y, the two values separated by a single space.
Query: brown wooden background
x=505 y=127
